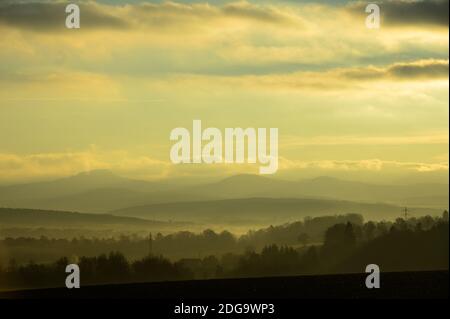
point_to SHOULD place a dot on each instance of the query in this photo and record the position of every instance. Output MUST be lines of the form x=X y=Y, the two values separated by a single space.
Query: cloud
x=206 y=12
x=17 y=167
x=428 y=139
x=58 y=85
x=48 y=165
x=361 y=165
x=334 y=78
x=422 y=69
x=51 y=16
x=238 y=38
x=405 y=12
x=250 y=11
x=42 y=85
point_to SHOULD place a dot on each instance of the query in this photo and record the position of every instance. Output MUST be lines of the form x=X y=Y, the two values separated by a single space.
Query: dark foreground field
x=429 y=284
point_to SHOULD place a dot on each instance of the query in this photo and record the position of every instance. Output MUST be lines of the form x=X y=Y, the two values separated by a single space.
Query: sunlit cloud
x=311 y=69
x=53 y=165
x=437 y=138
x=361 y=165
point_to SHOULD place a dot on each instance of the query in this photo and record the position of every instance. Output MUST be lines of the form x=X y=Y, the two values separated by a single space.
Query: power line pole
x=406 y=212
x=150 y=244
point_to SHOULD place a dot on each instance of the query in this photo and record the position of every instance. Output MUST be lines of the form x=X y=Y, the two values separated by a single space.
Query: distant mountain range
x=243 y=186
x=80 y=183
x=102 y=191
x=95 y=192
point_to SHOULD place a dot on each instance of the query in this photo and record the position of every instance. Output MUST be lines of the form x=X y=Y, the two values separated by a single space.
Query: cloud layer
x=352 y=98
x=415 y=12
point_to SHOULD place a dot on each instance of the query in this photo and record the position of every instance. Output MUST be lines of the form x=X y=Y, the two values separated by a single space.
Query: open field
x=427 y=284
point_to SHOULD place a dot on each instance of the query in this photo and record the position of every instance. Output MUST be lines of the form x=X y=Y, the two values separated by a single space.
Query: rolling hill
x=102 y=191
x=244 y=186
x=267 y=210
x=91 y=192
x=79 y=183
x=40 y=218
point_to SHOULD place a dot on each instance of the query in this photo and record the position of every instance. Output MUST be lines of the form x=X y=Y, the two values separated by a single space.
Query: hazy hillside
x=94 y=192
x=103 y=191
x=40 y=218
x=75 y=184
x=270 y=210
x=242 y=186
x=106 y=199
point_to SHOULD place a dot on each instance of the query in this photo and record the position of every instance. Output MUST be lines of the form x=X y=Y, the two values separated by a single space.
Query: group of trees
x=413 y=244
x=308 y=231
x=174 y=246
x=404 y=245
x=105 y=268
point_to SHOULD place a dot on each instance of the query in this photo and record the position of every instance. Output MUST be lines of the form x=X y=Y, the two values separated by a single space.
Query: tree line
x=413 y=244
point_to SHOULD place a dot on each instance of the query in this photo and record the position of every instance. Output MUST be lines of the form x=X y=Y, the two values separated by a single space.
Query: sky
x=349 y=102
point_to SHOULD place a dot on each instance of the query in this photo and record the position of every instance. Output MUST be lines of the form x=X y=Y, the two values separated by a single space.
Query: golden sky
x=348 y=101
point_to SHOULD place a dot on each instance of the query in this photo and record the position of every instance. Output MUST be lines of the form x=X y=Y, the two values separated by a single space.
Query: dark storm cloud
x=402 y=12
x=45 y=16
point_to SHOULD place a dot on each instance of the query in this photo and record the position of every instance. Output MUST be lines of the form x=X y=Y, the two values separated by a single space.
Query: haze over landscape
x=86 y=114
x=251 y=197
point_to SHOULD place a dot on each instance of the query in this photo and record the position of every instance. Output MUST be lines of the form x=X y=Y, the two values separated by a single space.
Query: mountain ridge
x=103 y=191
x=272 y=210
